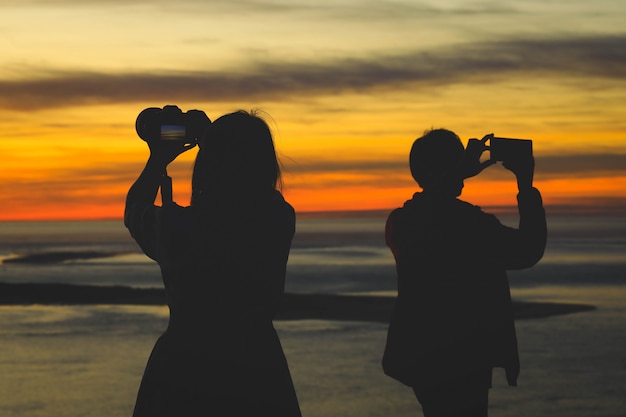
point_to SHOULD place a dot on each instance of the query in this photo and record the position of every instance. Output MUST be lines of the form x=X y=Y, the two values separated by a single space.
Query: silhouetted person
x=453 y=320
x=223 y=263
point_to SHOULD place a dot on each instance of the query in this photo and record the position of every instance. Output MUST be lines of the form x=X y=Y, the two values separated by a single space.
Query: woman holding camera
x=223 y=262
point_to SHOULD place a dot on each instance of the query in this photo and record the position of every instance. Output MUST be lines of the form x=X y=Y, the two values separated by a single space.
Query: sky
x=345 y=85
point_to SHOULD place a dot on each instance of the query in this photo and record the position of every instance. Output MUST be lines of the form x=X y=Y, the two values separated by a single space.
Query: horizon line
x=559 y=209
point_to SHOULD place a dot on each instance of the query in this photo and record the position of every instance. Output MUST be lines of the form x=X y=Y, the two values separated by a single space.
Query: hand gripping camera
x=171 y=124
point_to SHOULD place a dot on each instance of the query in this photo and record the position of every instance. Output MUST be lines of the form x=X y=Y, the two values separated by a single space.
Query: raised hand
x=164 y=151
x=472 y=165
x=523 y=166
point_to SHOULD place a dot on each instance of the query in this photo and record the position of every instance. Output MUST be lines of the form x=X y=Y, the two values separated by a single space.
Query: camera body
x=505 y=149
x=171 y=124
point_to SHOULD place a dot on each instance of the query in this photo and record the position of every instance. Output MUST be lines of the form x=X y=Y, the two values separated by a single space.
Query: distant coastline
x=293 y=307
x=613 y=207
x=56 y=257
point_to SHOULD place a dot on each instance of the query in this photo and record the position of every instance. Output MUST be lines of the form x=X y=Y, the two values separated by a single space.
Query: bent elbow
x=527 y=260
x=535 y=257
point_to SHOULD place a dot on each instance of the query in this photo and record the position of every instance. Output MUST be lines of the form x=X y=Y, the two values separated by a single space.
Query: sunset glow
x=346 y=87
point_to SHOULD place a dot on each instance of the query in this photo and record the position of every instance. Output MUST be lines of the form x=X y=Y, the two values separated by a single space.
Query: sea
x=87 y=360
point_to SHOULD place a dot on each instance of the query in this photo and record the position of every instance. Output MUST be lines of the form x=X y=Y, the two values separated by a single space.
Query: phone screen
x=173 y=132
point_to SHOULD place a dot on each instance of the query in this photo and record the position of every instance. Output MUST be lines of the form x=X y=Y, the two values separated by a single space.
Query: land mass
x=295 y=306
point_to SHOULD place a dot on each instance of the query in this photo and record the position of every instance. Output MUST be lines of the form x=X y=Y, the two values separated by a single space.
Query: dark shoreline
x=293 y=307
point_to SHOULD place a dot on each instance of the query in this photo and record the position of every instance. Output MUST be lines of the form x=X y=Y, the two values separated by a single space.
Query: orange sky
x=347 y=90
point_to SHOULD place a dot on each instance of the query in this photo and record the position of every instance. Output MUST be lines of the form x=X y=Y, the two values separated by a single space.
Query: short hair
x=435 y=153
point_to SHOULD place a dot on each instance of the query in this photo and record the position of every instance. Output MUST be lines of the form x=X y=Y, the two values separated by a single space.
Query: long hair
x=237 y=159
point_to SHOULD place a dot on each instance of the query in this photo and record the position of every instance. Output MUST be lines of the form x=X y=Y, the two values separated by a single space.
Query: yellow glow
x=344 y=141
x=80 y=162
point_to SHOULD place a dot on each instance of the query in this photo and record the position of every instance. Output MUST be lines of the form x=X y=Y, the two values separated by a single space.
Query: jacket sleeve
x=390 y=232
x=524 y=247
x=141 y=221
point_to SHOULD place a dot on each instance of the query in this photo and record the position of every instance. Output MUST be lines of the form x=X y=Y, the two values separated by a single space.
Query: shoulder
x=473 y=220
x=282 y=212
x=264 y=214
x=398 y=215
x=287 y=209
x=410 y=208
x=469 y=207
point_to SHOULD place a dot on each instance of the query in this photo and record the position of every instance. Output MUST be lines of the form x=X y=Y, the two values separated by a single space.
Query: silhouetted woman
x=223 y=263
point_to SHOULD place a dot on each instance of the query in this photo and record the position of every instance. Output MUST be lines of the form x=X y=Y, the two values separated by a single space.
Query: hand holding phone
x=516 y=156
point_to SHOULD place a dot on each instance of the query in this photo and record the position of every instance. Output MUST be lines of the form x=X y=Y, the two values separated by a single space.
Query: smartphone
x=503 y=149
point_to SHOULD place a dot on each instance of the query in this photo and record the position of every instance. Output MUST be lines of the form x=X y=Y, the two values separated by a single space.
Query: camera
x=171 y=124
x=505 y=149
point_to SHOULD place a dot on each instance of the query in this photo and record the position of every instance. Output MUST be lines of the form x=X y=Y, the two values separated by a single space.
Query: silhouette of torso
x=224 y=275
x=453 y=314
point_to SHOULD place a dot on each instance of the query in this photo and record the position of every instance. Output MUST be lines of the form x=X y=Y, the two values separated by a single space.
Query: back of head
x=435 y=156
x=236 y=159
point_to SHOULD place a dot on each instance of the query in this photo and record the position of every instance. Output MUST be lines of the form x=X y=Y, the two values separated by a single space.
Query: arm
x=524 y=170
x=144 y=191
x=140 y=213
x=532 y=232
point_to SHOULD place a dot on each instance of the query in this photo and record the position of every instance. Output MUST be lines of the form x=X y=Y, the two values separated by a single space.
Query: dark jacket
x=224 y=275
x=218 y=265
x=453 y=314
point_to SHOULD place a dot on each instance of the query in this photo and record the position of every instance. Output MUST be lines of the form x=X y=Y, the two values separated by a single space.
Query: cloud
x=106 y=183
x=395 y=171
x=582 y=164
x=564 y=166
x=593 y=165
x=606 y=205
x=366 y=11
x=182 y=7
x=486 y=62
x=316 y=166
x=550 y=166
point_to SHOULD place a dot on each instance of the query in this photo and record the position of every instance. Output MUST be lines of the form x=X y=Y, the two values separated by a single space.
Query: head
x=435 y=161
x=236 y=159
